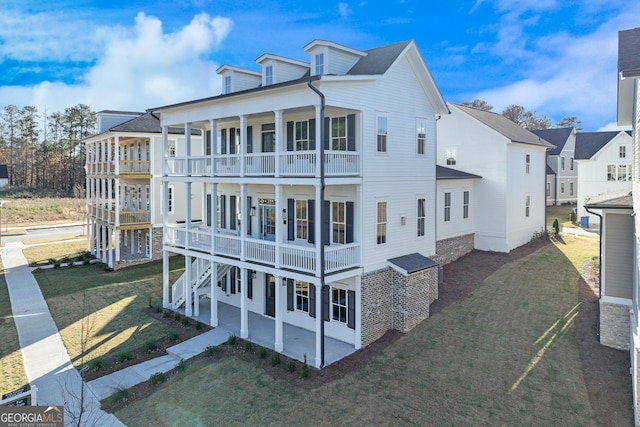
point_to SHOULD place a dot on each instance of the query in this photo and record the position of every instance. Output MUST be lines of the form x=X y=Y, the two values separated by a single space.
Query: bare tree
x=479 y=104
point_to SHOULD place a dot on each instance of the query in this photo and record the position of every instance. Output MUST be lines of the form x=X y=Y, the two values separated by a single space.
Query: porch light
x=284 y=216
x=253 y=211
x=253 y=274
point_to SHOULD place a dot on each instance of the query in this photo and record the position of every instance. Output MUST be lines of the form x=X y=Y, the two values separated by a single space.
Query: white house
x=562 y=178
x=123 y=182
x=604 y=165
x=511 y=161
x=322 y=178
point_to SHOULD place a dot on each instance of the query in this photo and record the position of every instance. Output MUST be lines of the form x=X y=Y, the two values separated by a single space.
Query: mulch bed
x=606 y=370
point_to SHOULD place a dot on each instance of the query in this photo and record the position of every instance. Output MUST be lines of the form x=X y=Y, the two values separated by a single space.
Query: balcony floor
x=297 y=341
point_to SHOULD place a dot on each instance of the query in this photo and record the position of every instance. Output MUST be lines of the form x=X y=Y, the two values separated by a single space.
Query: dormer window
x=268 y=75
x=227 y=84
x=319 y=64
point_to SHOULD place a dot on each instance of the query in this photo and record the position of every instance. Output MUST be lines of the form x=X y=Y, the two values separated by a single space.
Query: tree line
x=45 y=152
x=530 y=120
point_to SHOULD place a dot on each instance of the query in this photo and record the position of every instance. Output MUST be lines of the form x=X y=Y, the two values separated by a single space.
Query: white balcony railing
x=298 y=163
x=135 y=166
x=175 y=166
x=262 y=251
x=200 y=166
x=260 y=164
x=341 y=257
x=228 y=164
x=338 y=163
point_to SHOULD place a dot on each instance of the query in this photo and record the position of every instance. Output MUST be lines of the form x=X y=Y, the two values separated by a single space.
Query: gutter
x=320 y=238
x=600 y=249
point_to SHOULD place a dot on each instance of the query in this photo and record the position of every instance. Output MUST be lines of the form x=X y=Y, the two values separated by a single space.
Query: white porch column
x=110 y=212
x=188 y=309
x=187 y=137
x=358 y=289
x=278 y=114
x=110 y=262
x=165 y=279
x=109 y=156
x=319 y=141
x=279 y=224
x=244 y=209
x=116 y=248
x=165 y=148
x=213 y=143
x=196 y=299
x=188 y=218
x=319 y=238
x=214 y=300
x=243 y=143
x=319 y=319
x=279 y=341
x=116 y=156
x=98 y=230
x=105 y=244
x=117 y=200
x=244 y=313
x=214 y=216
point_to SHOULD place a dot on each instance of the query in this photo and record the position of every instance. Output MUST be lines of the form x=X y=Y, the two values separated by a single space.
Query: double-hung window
x=170 y=199
x=527 y=205
x=339 y=305
x=571 y=188
x=338 y=219
x=421 y=136
x=421 y=218
x=268 y=75
x=301 y=138
x=339 y=133
x=447 y=206
x=302 y=220
x=302 y=296
x=451 y=156
x=527 y=163
x=381 y=223
x=171 y=148
x=623 y=152
x=227 y=84
x=319 y=64
x=381 y=133
x=562 y=162
x=465 y=204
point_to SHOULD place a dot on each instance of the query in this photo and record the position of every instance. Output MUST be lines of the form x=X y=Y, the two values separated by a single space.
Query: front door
x=268 y=222
x=270 y=295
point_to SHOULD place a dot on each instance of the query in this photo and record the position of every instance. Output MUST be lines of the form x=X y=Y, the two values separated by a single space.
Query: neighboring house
x=4 y=176
x=320 y=186
x=511 y=161
x=562 y=178
x=620 y=254
x=124 y=179
x=604 y=165
x=457 y=210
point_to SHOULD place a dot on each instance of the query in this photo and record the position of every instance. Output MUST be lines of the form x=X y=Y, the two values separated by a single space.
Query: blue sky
x=553 y=56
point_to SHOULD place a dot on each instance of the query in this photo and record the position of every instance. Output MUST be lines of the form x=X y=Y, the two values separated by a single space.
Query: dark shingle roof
x=501 y=124
x=378 y=60
x=550 y=171
x=147 y=123
x=443 y=172
x=613 y=200
x=589 y=143
x=413 y=262
x=557 y=137
x=628 y=52
x=4 y=172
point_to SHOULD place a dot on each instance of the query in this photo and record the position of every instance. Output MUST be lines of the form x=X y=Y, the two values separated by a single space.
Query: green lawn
x=506 y=355
x=13 y=375
x=107 y=304
x=561 y=212
x=42 y=253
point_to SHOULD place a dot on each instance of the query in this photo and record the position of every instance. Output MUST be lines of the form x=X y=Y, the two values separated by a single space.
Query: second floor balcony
x=121 y=218
x=124 y=167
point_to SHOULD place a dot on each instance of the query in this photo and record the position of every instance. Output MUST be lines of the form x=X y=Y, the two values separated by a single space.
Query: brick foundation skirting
x=449 y=250
x=615 y=325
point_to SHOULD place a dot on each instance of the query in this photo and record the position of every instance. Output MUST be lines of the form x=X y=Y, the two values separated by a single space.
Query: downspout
x=600 y=253
x=435 y=182
x=322 y=222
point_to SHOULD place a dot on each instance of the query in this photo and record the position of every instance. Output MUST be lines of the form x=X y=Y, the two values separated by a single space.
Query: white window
x=339 y=133
x=302 y=220
x=170 y=198
x=465 y=204
x=548 y=189
x=447 y=206
x=339 y=305
x=227 y=84
x=527 y=163
x=421 y=218
x=301 y=142
x=562 y=163
x=268 y=75
x=451 y=156
x=562 y=187
x=623 y=152
x=319 y=64
x=381 y=225
x=171 y=148
x=381 y=133
x=527 y=204
x=611 y=173
x=622 y=172
x=139 y=241
x=148 y=244
x=571 y=163
x=338 y=220
x=421 y=136
x=571 y=188
x=302 y=296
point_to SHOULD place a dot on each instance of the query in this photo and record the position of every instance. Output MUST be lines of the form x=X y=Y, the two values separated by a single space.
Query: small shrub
x=198 y=325
x=305 y=368
x=573 y=217
x=166 y=313
x=247 y=346
x=157 y=378
x=182 y=366
x=232 y=339
x=539 y=236
x=186 y=321
x=56 y=264
x=555 y=227
x=86 y=261
x=210 y=350
x=158 y=308
x=120 y=394
x=125 y=355
x=177 y=316
x=291 y=366
x=150 y=345
x=173 y=335
x=97 y=363
x=262 y=352
x=275 y=358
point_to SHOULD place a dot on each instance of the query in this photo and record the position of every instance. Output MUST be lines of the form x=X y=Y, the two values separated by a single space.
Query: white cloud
x=343 y=9
x=139 y=67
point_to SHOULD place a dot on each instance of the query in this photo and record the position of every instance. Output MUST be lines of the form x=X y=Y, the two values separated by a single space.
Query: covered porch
x=297 y=341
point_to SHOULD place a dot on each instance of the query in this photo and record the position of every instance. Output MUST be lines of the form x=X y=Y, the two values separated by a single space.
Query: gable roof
x=412 y=263
x=504 y=126
x=146 y=123
x=589 y=143
x=378 y=60
x=550 y=171
x=443 y=172
x=555 y=136
x=612 y=200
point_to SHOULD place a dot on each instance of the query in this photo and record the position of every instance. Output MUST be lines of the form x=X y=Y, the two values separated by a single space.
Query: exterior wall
x=377 y=301
x=453 y=248
x=569 y=174
x=412 y=296
x=592 y=177
x=614 y=325
x=617 y=254
x=551 y=197
x=457 y=225
x=635 y=322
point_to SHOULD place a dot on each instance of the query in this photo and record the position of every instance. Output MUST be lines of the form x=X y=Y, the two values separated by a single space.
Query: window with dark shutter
x=232 y=141
x=207 y=143
x=223 y=141
x=311 y=223
x=351 y=302
x=250 y=274
x=233 y=279
x=290 y=136
x=233 y=217
x=312 y=300
x=248 y=215
x=249 y=139
x=290 y=294
x=312 y=134
x=351 y=132
x=224 y=283
x=327 y=133
x=325 y=304
x=291 y=223
x=326 y=220
x=349 y=221
x=223 y=211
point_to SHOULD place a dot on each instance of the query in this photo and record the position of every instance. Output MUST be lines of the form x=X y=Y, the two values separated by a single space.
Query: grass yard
x=107 y=304
x=562 y=213
x=13 y=375
x=66 y=249
x=506 y=355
